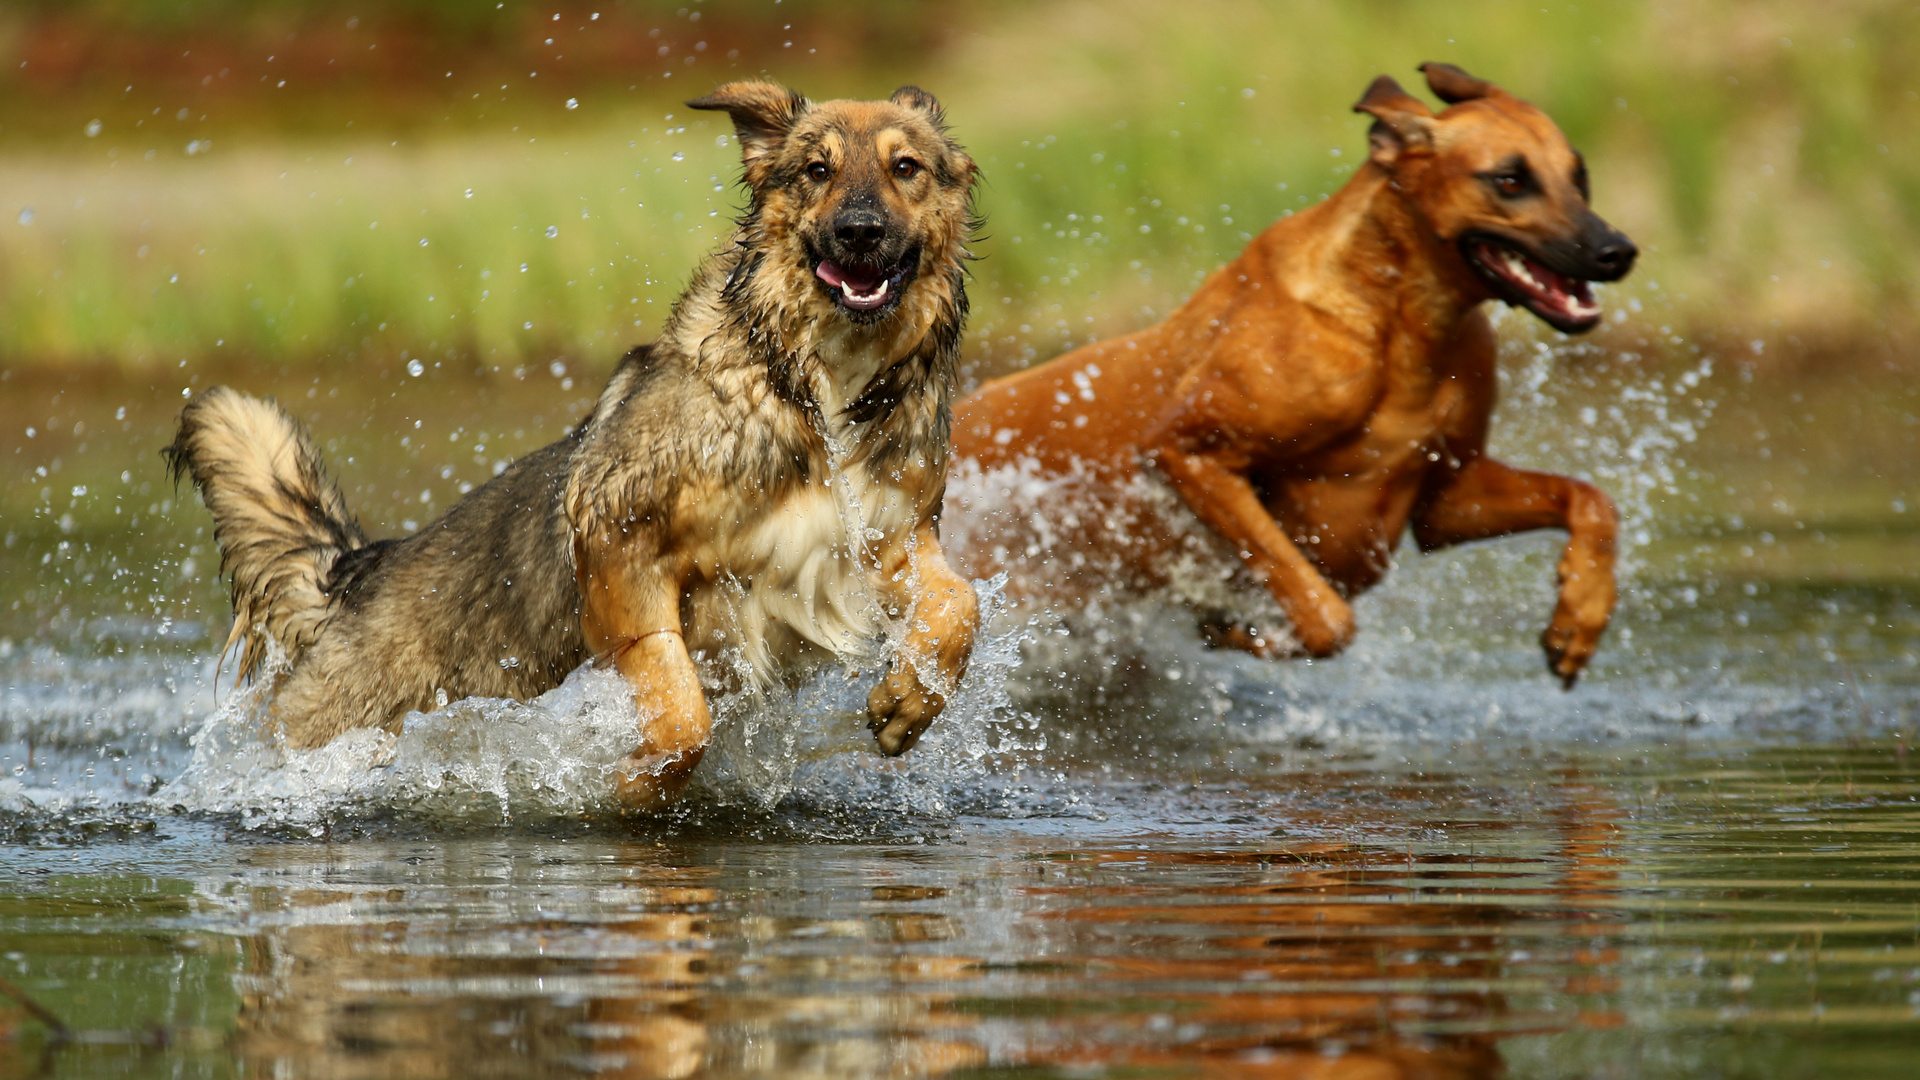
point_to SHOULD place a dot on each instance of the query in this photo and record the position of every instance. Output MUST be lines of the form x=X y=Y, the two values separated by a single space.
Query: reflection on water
x=1557 y=915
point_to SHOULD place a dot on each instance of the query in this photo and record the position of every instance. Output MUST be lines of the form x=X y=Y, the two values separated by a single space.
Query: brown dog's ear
x=915 y=98
x=1402 y=123
x=762 y=112
x=1453 y=86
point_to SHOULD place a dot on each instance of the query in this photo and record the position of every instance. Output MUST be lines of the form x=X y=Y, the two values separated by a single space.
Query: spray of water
x=499 y=760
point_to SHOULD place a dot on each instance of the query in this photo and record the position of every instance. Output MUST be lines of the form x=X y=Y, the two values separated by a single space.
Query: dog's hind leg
x=1226 y=501
x=1485 y=499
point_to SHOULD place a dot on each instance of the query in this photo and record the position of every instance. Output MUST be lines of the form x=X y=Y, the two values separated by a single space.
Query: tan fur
x=753 y=494
x=279 y=521
x=1327 y=388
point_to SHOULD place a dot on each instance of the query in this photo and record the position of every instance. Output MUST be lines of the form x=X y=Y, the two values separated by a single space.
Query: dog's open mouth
x=866 y=288
x=1565 y=302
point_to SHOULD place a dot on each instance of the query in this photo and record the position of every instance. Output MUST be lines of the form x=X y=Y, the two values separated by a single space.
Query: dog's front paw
x=1573 y=636
x=649 y=783
x=1587 y=595
x=1569 y=644
x=900 y=709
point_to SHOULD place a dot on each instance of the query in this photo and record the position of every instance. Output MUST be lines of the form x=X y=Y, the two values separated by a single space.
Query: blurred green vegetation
x=1762 y=153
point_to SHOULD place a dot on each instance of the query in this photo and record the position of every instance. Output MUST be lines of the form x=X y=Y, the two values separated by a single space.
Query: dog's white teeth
x=1518 y=267
x=877 y=294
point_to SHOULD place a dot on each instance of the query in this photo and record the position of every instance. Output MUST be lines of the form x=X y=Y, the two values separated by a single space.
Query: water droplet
x=26 y=215
x=93 y=128
x=415 y=368
x=423 y=241
x=469 y=193
x=552 y=231
x=79 y=490
x=558 y=368
x=679 y=155
x=573 y=103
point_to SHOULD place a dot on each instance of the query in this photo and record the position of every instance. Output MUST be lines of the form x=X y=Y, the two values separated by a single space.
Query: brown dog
x=1334 y=383
x=755 y=493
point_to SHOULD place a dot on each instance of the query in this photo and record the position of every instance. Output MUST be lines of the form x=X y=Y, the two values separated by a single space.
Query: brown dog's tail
x=279 y=520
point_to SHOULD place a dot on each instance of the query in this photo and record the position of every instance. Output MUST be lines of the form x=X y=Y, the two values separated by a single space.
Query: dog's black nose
x=1616 y=256
x=859 y=230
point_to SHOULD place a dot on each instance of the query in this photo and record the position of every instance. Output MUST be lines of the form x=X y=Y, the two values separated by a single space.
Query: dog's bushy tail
x=280 y=522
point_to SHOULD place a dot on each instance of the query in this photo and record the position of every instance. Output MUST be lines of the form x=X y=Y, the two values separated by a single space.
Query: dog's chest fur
x=779 y=501
x=801 y=575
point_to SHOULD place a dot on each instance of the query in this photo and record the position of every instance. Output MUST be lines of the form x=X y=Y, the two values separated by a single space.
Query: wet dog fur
x=1334 y=384
x=759 y=488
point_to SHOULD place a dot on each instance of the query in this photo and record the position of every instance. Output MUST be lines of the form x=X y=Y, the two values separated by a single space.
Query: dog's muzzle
x=865 y=288
x=1554 y=280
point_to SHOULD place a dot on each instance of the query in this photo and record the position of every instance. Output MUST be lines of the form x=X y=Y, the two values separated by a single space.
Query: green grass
x=500 y=248
x=1764 y=155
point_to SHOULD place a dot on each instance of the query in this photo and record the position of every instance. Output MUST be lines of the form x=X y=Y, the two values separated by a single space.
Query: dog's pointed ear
x=1453 y=86
x=913 y=97
x=762 y=112
x=1402 y=123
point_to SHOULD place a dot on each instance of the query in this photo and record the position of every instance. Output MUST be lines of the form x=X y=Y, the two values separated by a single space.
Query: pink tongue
x=862 y=279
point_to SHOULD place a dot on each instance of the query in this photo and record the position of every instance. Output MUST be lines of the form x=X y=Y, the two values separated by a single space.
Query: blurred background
x=432 y=226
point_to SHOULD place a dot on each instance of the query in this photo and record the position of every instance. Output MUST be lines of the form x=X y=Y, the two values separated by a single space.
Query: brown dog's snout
x=859 y=230
x=1609 y=250
x=1615 y=257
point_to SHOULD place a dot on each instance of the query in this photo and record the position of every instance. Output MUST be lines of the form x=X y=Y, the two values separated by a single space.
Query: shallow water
x=1119 y=853
x=1724 y=910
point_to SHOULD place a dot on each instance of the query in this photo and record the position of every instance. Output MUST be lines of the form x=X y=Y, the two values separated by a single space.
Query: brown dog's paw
x=900 y=710
x=1568 y=648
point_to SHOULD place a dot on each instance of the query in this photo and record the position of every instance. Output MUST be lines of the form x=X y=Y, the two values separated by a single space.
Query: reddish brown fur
x=1332 y=386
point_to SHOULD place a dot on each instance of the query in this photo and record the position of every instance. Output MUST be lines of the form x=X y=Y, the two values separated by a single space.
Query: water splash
x=497 y=760
x=812 y=748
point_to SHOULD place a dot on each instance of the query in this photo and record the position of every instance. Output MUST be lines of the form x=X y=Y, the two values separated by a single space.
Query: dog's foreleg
x=631 y=618
x=945 y=615
x=1485 y=498
x=1228 y=504
x=674 y=722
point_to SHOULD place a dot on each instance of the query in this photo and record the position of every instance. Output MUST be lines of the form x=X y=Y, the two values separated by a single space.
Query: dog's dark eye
x=1580 y=177
x=1512 y=180
x=819 y=172
x=906 y=168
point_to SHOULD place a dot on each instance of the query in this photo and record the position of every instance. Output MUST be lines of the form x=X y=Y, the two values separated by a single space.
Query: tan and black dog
x=1332 y=385
x=761 y=485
